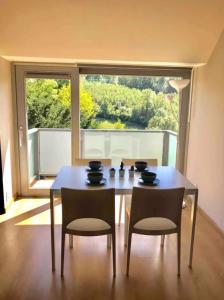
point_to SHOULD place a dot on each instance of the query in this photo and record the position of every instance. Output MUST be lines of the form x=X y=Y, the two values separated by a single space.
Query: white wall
x=6 y=131
x=206 y=145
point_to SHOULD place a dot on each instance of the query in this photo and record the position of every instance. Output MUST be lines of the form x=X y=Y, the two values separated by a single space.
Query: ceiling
x=147 y=32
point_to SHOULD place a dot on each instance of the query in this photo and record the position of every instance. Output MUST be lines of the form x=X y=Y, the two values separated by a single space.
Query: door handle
x=20 y=136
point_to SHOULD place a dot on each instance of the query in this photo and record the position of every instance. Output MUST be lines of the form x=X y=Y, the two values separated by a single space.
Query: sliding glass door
x=96 y=112
x=45 y=102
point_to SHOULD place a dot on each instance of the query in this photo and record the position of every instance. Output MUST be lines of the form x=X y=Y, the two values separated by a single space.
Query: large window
x=125 y=116
x=96 y=112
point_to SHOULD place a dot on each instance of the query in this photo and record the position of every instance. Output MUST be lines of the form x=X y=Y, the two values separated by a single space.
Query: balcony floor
x=26 y=261
x=43 y=183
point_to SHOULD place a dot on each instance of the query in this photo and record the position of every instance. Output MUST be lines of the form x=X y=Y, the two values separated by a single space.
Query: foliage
x=44 y=106
x=166 y=113
x=109 y=125
x=87 y=109
x=100 y=78
x=49 y=104
x=143 y=110
x=155 y=83
x=64 y=95
x=114 y=101
x=133 y=105
x=106 y=102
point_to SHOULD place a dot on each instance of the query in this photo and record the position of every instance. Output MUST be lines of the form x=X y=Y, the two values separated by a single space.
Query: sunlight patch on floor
x=28 y=204
x=43 y=218
x=22 y=206
x=43 y=184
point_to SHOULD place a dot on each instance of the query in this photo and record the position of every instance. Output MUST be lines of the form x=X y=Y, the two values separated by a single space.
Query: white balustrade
x=50 y=148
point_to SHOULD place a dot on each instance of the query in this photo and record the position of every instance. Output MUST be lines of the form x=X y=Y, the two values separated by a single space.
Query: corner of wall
x=7 y=132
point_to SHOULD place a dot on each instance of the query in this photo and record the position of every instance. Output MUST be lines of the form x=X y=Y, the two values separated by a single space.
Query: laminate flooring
x=25 y=261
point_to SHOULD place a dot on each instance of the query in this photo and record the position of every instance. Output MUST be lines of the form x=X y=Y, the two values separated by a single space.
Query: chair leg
x=126 y=225
x=120 y=208
x=109 y=241
x=178 y=253
x=71 y=241
x=62 y=252
x=162 y=240
x=114 y=252
x=128 y=252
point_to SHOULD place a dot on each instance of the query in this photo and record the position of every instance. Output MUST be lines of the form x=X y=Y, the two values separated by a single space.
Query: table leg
x=52 y=229
x=193 y=221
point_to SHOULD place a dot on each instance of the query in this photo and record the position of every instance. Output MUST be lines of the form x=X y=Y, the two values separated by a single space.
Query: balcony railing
x=49 y=149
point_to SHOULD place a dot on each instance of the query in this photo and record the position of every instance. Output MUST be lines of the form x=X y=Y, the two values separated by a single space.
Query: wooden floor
x=25 y=262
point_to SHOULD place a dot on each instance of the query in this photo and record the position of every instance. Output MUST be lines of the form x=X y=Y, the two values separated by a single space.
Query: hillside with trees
x=106 y=102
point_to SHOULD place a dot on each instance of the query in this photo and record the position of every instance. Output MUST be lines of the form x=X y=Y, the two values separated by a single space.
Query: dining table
x=75 y=177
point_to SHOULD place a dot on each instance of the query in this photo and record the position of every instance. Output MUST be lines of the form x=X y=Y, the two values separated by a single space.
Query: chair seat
x=155 y=224
x=88 y=224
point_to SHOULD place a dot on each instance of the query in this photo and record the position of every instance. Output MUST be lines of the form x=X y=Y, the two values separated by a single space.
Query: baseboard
x=209 y=219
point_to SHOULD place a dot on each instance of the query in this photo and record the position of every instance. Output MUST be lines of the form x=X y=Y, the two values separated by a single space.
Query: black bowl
x=140 y=165
x=148 y=176
x=95 y=177
x=95 y=165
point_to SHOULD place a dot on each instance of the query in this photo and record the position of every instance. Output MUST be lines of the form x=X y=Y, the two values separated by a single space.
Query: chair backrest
x=153 y=162
x=150 y=202
x=84 y=161
x=99 y=203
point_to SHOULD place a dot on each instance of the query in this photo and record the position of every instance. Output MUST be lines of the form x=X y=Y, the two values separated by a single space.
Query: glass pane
x=128 y=117
x=48 y=103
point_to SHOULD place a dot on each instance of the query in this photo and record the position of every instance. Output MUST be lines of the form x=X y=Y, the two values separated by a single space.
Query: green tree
x=49 y=104
x=100 y=78
x=64 y=95
x=109 y=125
x=144 y=109
x=154 y=83
x=102 y=105
x=87 y=109
x=113 y=101
x=87 y=106
x=165 y=113
x=44 y=109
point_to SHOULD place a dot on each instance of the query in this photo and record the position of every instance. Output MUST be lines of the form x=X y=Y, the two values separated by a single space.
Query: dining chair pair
x=92 y=213
x=107 y=162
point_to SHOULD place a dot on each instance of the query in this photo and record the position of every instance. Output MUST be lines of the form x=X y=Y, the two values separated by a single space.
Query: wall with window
x=206 y=145
x=6 y=131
